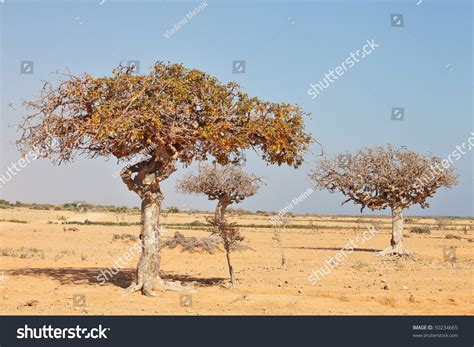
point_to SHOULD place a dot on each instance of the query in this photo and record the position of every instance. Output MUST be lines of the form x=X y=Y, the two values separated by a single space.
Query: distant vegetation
x=4 y=204
x=441 y=221
x=68 y=207
x=14 y=221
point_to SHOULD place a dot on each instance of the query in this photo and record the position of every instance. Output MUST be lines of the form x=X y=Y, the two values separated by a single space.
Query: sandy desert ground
x=45 y=270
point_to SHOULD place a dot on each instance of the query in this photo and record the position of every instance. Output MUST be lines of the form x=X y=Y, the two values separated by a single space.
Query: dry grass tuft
x=23 y=253
x=124 y=237
x=192 y=244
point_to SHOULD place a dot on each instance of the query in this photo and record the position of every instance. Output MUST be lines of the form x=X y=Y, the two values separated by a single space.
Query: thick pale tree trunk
x=148 y=268
x=146 y=183
x=397 y=228
x=396 y=242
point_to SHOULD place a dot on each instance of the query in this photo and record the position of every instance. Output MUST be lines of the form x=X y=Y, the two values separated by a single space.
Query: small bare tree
x=380 y=177
x=230 y=236
x=227 y=184
x=277 y=237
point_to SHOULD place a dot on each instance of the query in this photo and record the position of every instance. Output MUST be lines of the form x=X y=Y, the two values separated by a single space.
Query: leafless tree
x=277 y=237
x=230 y=236
x=227 y=184
x=380 y=177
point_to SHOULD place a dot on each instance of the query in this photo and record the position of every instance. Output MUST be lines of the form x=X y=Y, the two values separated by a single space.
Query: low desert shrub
x=23 y=253
x=420 y=230
x=124 y=237
x=192 y=244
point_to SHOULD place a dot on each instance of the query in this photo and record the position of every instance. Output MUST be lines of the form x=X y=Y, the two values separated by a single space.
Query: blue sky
x=424 y=67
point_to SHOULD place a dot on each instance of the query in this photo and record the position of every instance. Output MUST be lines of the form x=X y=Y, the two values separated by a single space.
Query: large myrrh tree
x=181 y=114
x=380 y=178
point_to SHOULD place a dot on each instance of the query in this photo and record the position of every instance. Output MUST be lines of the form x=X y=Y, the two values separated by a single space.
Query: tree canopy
x=380 y=177
x=183 y=113
x=217 y=182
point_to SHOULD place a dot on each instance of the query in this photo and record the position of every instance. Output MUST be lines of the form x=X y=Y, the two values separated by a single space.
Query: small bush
x=192 y=244
x=237 y=211
x=420 y=230
x=441 y=224
x=172 y=209
x=23 y=253
x=64 y=253
x=452 y=236
x=125 y=237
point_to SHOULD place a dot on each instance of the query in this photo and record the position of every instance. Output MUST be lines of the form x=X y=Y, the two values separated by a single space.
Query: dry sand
x=56 y=271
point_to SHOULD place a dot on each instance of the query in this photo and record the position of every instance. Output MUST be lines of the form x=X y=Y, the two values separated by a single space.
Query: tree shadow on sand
x=123 y=278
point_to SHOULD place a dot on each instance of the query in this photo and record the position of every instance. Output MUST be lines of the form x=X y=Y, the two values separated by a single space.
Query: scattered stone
x=411 y=299
x=383 y=281
x=404 y=287
x=452 y=236
x=386 y=287
x=32 y=303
